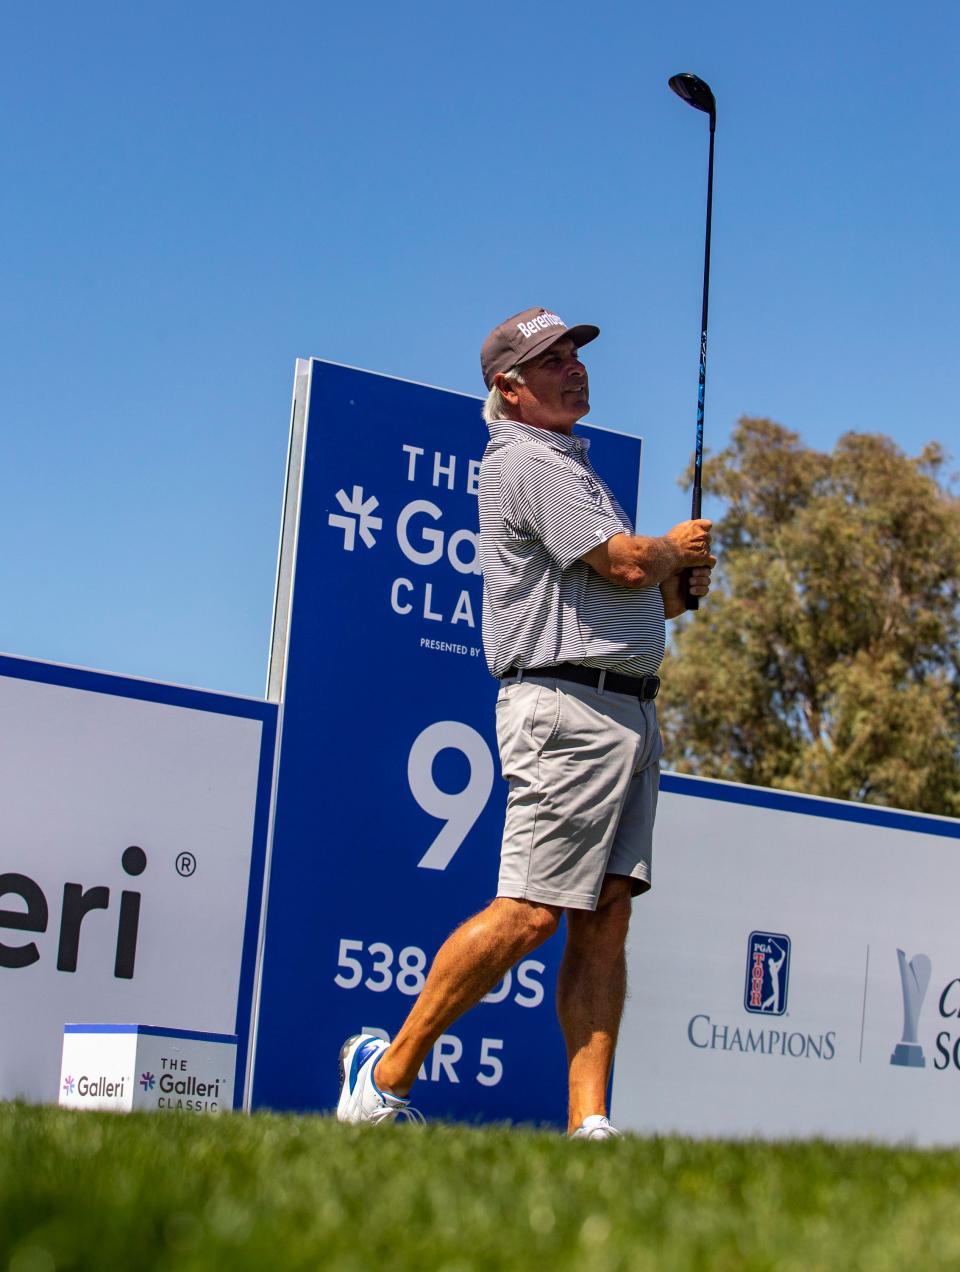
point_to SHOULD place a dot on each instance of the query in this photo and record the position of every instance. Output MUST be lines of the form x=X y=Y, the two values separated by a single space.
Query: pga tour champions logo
x=768 y=973
x=764 y=994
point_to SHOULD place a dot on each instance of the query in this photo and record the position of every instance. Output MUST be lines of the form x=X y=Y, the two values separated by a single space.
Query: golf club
x=694 y=91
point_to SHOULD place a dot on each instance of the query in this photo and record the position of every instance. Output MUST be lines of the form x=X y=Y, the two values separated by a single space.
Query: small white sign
x=125 y=1067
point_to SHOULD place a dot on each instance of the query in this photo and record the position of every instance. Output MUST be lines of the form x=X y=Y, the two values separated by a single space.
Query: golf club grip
x=691 y=602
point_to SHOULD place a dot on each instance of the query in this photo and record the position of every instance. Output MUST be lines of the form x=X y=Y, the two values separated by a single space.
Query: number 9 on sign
x=461 y=810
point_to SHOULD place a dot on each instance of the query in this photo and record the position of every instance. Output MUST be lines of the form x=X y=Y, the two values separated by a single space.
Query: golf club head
x=695 y=91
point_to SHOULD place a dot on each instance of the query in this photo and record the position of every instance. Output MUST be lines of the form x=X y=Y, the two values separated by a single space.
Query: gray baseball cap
x=523 y=336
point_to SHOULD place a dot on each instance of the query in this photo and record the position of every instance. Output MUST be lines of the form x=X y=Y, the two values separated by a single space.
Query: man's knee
x=542 y=922
x=607 y=925
x=532 y=922
x=614 y=918
x=615 y=905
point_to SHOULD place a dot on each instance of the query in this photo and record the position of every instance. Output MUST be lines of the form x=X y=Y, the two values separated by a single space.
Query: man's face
x=555 y=392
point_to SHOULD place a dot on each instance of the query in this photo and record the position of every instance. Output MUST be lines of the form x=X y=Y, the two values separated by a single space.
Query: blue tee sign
x=390 y=801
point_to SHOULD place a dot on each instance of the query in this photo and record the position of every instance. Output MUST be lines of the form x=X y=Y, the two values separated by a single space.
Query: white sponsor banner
x=132 y=848
x=767 y=993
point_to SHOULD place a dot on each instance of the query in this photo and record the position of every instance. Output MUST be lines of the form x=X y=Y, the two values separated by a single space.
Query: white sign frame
x=849 y=885
x=133 y=854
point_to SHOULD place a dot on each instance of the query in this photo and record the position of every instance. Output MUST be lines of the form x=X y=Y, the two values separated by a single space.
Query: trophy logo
x=914 y=979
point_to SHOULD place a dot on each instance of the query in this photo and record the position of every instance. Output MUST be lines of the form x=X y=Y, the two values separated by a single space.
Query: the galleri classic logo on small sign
x=96 y=1087
x=768 y=973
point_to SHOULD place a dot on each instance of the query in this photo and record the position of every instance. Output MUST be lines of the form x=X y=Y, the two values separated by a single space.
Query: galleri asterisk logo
x=147 y=1081
x=68 y=1085
x=357 y=508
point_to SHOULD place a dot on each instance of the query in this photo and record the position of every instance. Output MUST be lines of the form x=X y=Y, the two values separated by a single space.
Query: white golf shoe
x=595 y=1127
x=361 y=1100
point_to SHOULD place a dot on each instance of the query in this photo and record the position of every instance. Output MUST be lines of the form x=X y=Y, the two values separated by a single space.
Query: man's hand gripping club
x=635 y=561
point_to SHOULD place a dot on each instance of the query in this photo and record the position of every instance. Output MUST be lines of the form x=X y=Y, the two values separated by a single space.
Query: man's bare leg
x=467 y=966
x=591 y=989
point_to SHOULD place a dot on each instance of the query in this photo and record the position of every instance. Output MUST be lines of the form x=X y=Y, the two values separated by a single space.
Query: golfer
x=573 y=627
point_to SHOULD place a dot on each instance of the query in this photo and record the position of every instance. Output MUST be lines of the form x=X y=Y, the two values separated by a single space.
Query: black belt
x=645 y=688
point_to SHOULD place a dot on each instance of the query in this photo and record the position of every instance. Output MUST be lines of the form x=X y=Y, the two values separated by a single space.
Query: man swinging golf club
x=573 y=627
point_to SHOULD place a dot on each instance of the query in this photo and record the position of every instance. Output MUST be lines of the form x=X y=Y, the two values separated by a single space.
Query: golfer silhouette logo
x=768 y=973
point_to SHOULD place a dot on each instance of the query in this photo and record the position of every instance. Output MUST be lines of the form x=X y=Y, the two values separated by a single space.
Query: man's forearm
x=647 y=562
x=635 y=561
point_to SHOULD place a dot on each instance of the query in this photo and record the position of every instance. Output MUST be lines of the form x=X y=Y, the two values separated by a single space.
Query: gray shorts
x=583 y=774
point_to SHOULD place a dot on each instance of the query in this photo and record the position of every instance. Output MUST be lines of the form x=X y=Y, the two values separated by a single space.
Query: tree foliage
x=826 y=657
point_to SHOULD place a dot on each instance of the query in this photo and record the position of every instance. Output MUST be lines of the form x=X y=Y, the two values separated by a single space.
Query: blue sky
x=194 y=195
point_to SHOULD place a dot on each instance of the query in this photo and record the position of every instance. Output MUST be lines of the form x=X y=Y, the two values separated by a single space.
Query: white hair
x=495 y=407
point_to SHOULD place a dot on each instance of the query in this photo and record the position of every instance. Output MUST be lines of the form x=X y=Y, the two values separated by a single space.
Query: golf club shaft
x=693 y=602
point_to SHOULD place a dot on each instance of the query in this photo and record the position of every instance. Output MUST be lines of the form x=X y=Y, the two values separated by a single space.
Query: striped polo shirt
x=542 y=506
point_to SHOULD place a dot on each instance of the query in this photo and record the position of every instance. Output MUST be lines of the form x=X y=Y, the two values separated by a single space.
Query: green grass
x=85 y=1191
